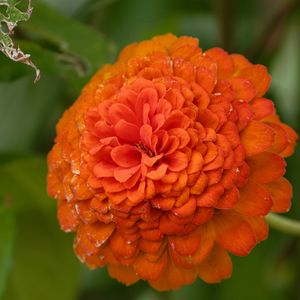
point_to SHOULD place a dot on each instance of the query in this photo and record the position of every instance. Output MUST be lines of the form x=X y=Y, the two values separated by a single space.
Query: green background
x=69 y=40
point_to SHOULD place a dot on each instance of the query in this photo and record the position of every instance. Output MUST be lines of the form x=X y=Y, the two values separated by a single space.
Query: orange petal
x=224 y=61
x=85 y=212
x=152 y=234
x=67 y=216
x=240 y=62
x=166 y=226
x=95 y=260
x=173 y=278
x=281 y=141
x=186 y=209
x=201 y=96
x=216 y=163
x=211 y=195
x=214 y=176
x=262 y=108
x=199 y=185
x=188 y=261
x=206 y=78
x=233 y=233
x=124 y=274
x=158 y=173
x=126 y=156
x=124 y=174
x=184 y=47
x=259 y=76
x=255 y=200
x=165 y=40
x=244 y=112
x=256 y=138
x=110 y=184
x=292 y=138
x=177 y=161
x=120 y=247
x=260 y=227
x=127 y=131
x=137 y=194
x=202 y=215
x=186 y=244
x=217 y=266
x=281 y=193
x=230 y=131
x=92 y=237
x=163 y=203
x=181 y=182
x=229 y=199
x=117 y=198
x=266 y=167
x=208 y=119
x=151 y=247
x=211 y=153
x=104 y=169
x=195 y=163
x=150 y=270
x=243 y=88
x=183 y=197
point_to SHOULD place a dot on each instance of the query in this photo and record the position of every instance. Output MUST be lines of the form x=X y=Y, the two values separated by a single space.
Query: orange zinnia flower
x=168 y=160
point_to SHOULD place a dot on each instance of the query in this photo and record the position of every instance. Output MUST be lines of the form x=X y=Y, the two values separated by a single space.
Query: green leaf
x=69 y=36
x=7 y=234
x=67 y=7
x=44 y=264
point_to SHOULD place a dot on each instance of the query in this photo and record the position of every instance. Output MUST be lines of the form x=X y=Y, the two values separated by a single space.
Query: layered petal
x=168 y=160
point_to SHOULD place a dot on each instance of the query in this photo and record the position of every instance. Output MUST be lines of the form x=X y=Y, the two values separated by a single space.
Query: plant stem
x=272 y=27
x=226 y=20
x=283 y=224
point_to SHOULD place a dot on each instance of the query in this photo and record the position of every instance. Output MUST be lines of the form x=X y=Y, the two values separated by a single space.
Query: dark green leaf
x=23 y=184
x=44 y=264
x=23 y=108
x=89 y=47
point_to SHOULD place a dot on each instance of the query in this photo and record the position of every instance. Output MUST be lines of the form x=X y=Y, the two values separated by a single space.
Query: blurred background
x=69 y=40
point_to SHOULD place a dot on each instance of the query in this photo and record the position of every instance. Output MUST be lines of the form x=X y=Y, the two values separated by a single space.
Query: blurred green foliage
x=69 y=40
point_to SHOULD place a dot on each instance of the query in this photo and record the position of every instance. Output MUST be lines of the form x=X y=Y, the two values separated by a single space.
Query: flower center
x=144 y=149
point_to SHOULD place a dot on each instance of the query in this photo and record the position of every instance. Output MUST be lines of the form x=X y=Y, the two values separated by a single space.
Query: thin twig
x=226 y=22
x=271 y=29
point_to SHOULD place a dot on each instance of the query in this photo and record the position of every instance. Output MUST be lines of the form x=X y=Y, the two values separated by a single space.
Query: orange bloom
x=168 y=160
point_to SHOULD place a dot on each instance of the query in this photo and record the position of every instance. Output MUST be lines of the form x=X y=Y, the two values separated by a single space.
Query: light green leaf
x=286 y=73
x=11 y=17
x=67 y=7
x=44 y=264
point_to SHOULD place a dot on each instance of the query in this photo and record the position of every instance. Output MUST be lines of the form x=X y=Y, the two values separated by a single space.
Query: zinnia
x=168 y=160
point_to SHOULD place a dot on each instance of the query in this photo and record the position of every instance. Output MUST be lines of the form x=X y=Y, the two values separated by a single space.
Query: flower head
x=168 y=160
